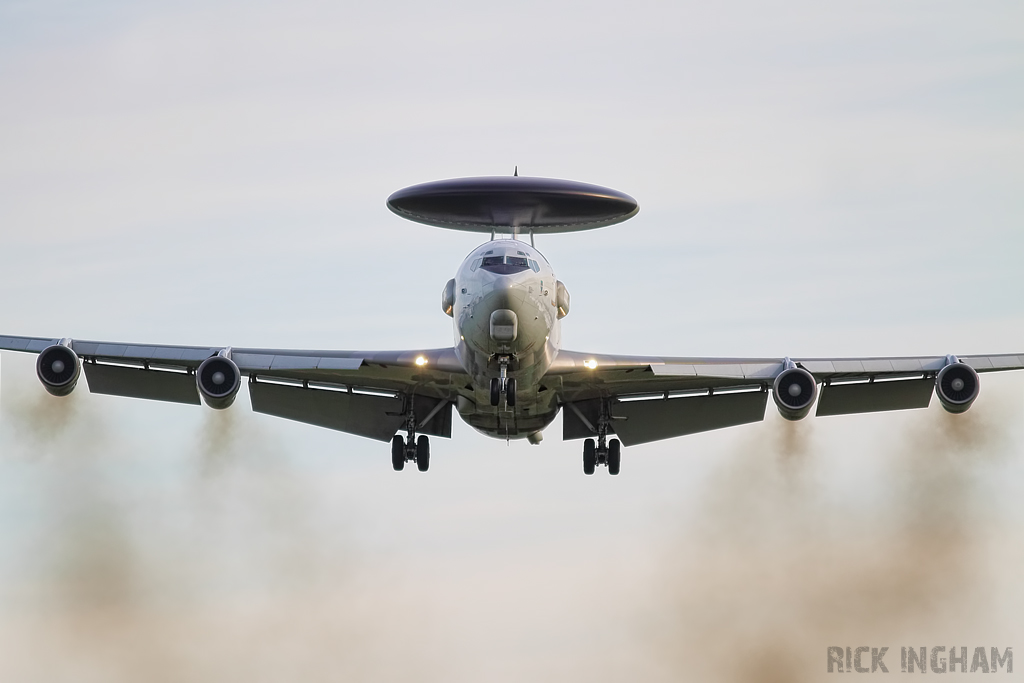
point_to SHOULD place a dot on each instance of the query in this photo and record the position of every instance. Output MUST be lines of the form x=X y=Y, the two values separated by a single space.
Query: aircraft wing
x=369 y=393
x=648 y=398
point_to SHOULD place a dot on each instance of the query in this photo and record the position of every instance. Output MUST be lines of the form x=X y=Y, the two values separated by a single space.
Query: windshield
x=505 y=265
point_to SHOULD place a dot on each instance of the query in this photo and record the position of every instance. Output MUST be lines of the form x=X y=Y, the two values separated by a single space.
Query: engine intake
x=794 y=392
x=58 y=368
x=957 y=386
x=218 y=379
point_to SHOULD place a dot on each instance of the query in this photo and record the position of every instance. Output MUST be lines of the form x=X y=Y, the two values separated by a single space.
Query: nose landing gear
x=503 y=385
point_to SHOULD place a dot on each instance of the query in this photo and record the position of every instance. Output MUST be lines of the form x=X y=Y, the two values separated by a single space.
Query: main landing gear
x=417 y=451
x=503 y=385
x=410 y=448
x=603 y=452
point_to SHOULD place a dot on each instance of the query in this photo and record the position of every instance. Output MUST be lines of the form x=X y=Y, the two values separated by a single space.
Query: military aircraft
x=506 y=374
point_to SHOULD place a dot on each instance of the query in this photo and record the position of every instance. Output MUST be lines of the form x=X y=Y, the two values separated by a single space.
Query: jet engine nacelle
x=58 y=368
x=957 y=385
x=794 y=392
x=448 y=298
x=218 y=379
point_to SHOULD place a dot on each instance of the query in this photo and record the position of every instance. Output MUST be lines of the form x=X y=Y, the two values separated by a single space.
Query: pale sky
x=814 y=180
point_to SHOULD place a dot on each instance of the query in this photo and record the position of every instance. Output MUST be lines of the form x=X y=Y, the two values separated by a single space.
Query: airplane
x=506 y=374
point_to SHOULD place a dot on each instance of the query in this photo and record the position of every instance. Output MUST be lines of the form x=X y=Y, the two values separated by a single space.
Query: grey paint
x=572 y=376
x=547 y=376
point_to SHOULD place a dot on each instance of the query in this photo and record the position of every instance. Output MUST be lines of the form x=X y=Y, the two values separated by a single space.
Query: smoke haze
x=780 y=564
x=244 y=567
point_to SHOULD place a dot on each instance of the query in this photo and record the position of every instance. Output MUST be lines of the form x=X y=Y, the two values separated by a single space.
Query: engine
x=58 y=368
x=794 y=392
x=957 y=385
x=218 y=379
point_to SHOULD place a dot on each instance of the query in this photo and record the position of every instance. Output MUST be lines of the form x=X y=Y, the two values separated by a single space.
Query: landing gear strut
x=410 y=448
x=603 y=452
x=503 y=385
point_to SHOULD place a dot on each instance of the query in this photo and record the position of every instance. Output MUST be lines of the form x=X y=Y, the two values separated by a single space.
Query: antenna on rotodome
x=516 y=172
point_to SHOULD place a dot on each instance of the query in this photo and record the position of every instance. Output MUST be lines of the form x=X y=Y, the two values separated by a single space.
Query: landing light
x=590 y=364
x=420 y=360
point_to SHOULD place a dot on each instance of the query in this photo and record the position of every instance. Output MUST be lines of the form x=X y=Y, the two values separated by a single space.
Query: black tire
x=589 y=456
x=614 y=456
x=398 y=453
x=423 y=453
x=495 y=391
x=510 y=392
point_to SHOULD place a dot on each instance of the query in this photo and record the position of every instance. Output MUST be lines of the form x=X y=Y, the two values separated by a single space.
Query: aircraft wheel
x=510 y=392
x=423 y=453
x=398 y=453
x=495 y=391
x=614 y=453
x=589 y=456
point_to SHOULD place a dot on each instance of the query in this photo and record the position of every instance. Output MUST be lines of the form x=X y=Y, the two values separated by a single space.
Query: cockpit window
x=505 y=265
x=534 y=266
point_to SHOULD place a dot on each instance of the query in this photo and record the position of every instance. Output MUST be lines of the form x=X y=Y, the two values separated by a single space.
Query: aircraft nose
x=503 y=292
x=504 y=282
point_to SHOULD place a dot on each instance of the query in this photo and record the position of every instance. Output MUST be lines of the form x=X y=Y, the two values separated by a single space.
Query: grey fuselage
x=483 y=287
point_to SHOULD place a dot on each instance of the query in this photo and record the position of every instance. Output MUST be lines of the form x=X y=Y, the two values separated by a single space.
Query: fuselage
x=505 y=308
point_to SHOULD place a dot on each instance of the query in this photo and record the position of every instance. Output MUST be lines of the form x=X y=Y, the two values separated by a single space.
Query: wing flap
x=375 y=417
x=579 y=418
x=636 y=422
x=155 y=385
x=873 y=397
x=647 y=421
x=370 y=415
